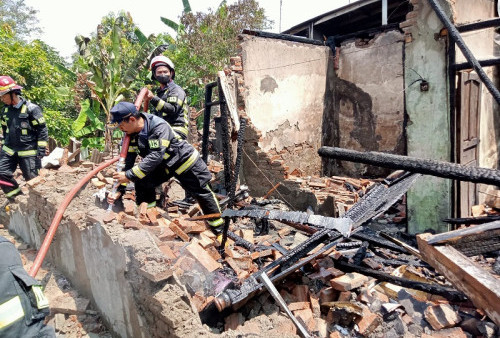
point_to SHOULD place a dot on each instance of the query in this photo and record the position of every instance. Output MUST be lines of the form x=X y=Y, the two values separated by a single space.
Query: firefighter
x=164 y=155
x=23 y=306
x=25 y=136
x=170 y=99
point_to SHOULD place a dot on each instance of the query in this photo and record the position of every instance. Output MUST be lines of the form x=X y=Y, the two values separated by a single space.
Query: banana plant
x=111 y=64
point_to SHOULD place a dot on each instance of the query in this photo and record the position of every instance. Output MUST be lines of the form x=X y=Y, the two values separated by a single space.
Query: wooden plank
x=230 y=97
x=482 y=288
x=455 y=234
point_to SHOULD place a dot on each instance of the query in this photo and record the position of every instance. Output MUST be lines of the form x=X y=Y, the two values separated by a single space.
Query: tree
x=206 y=41
x=111 y=65
x=19 y=17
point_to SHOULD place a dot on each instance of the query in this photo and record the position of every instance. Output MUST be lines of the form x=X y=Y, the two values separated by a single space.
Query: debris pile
x=362 y=284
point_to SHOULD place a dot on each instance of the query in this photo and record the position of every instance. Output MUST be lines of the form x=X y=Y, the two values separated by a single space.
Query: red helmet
x=162 y=60
x=7 y=85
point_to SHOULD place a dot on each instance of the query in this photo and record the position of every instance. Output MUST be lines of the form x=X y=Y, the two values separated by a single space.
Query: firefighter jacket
x=158 y=144
x=23 y=306
x=170 y=104
x=24 y=129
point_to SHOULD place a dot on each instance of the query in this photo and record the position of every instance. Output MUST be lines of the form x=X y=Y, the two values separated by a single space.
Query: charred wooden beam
x=455 y=35
x=472 y=241
x=479 y=25
x=484 y=63
x=416 y=165
x=482 y=288
x=472 y=220
x=436 y=289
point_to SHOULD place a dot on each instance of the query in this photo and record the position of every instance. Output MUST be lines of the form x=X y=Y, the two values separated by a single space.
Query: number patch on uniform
x=41 y=301
x=154 y=144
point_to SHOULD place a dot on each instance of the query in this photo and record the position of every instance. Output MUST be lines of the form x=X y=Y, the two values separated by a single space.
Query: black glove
x=40 y=152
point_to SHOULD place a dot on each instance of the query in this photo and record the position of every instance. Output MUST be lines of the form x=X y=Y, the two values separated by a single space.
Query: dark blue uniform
x=25 y=139
x=170 y=104
x=23 y=306
x=164 y=155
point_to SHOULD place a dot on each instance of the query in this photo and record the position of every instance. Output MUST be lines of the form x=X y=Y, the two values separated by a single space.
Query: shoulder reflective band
x=181 y=130
x=42 y=143
x=154 y=143
x=165 y=143
x=133 y=149
x=166 y=156
x=138 y=172
x=8 y=150
x=160 y=105
x=23 y=109
x=41 y=120
x=41 y=301
x=24 y=153
x=174 y=99
x=11 y=311
x=189 y=162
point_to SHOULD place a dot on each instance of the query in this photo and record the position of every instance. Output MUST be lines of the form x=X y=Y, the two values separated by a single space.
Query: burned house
x=378 y=77
x=370 y=77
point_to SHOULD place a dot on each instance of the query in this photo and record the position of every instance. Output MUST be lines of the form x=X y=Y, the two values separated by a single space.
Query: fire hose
x=44 y=248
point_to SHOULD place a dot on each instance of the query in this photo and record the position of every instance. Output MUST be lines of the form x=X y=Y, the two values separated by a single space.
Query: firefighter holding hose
x=169 y=102
x=164 y=155
x=25 y=136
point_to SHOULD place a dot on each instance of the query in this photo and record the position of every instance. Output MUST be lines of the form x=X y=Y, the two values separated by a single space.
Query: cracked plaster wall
x=285 y=96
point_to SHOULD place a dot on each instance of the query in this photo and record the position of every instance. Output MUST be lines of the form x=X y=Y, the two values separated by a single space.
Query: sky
x=62 y=20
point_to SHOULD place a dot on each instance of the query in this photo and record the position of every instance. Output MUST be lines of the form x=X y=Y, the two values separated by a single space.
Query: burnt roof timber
x=478 y=25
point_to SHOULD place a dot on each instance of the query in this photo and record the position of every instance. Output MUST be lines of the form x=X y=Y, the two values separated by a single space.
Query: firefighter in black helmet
x=25 y=136
x=170 y=99
x=23 y=306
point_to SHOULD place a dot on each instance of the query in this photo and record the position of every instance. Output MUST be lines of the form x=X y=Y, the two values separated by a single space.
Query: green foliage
x=38 y=68
x=59 y=126
x=90 y=133
x=19 y=17
x=206 y=41
x=111 y=65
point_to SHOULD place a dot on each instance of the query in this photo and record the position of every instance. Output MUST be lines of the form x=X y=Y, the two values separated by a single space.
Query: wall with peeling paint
x=286 y=96
x=368 y=109
x=428 y=130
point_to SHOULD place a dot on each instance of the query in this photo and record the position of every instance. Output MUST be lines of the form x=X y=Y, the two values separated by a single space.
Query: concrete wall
x=285 y=97
x=368 y=105
x=428 y=131
x=104 y=262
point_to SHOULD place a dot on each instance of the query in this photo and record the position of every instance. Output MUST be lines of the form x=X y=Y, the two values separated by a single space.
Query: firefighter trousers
x=29 y=166
x=194 y=180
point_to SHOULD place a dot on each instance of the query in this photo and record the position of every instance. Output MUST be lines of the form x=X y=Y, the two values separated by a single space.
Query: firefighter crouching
x=25 y=136
x=23 y=306
x=164 y=155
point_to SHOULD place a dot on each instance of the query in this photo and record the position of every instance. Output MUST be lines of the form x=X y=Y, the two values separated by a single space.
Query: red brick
x=441 y=316
x=368 y=322
x=233 y=321
x=327 y=295
x=345 y=296
x=205 y=260
x=301 y=293
x=178 y=231
x=348 y=281
x=129 y=206
x=167 y=252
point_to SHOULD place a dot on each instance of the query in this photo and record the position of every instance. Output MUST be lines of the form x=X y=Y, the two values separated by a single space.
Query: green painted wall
x=428 y=128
